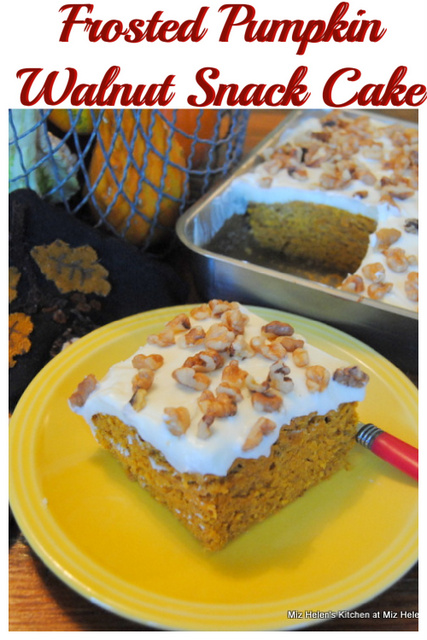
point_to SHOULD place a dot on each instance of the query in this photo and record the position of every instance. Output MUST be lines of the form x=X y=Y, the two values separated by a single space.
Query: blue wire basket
x=119 y=169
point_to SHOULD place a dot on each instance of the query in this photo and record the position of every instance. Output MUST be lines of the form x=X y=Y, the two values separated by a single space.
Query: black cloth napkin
x=139 y=282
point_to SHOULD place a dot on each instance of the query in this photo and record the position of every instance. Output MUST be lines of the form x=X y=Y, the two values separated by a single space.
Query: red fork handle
x=399 y=454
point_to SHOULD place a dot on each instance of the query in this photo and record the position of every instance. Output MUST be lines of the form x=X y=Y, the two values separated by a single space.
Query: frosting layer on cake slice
x=217 y=385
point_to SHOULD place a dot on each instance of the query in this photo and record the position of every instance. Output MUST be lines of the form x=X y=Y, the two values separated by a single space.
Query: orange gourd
x=125 y=180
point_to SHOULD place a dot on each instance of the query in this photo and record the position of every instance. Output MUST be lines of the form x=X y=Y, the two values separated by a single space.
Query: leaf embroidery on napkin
x=20 y=327
x=72 y=269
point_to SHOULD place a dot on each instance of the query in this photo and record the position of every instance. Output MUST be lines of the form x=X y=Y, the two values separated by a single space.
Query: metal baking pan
x=390 y=330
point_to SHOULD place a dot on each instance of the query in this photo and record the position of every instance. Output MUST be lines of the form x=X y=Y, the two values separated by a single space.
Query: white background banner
x=273 y=53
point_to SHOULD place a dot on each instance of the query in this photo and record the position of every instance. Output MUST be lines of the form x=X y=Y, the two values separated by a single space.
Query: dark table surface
x=39 y=601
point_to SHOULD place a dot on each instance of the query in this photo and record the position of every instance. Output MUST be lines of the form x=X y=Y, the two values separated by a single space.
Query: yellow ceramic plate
x=341 y=544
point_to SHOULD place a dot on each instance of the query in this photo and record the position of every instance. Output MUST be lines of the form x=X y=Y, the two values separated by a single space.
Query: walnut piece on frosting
x=262 y=427
x=396 y=259
x=167 y=337
x=351 y=377
x=386 y=237
x=374 y=272
x=276 y=329
x=221 y=405
x=269 y=400
x=278 y=377
x=141 y=383
x=411 y=286
x=219 y=337
x=205 y=361
x=177 y=419
x=192 y=338
x=139 y=399
x=153 y=362
x=353 y=283
x=317 y=378
x=189 y=377
x=377 y=290
x=83 y=391
x=179 y=323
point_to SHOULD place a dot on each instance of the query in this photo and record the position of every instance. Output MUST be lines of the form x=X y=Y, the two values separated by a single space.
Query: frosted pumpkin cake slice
x=225 y=418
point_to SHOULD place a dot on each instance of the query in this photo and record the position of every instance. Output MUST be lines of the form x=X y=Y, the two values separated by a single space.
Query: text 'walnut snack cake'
x=225 y=418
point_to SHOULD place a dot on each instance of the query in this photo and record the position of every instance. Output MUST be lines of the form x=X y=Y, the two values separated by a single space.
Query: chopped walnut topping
x=411 y=286
x=192 y=338
x=219 y=337
x=298 y=173
x=386 y=237
x=351 y=377
x=377 y=290
x=361 y=194
x=396 y=259
x=139 y=399
x=366 y=176
x=221 y=405
x=402 y=194
x=253 y=385
x=205 y=361
x=83 y=391
x=180 y=323
x=231 y=389
x=163 y=339
x=353 y=283
x=277 y=329
x=141 y=382
x=177 y=420
x=153 y=362
x=262 y=427
x=323 y=136
x=336 y=178
x=234 y=374
x=240 y=349
x=374 y=272
x=188 y=377
x=166 y=338
x=204 y=427
x=388 y=198
x=317 y=378
x=235 y=320
x=267 y=401
x=316 y=155
x=218 y=307
x=291 y=344
x=411 y=226
x=271 y=350
x=201 y=312
x=286 y=155
x=300 y=357
x=143 y=379
x=278 y=377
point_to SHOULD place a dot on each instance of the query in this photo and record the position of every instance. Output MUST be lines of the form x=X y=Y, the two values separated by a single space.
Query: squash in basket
x=81 y=120
x=135 y=173
x=199 y=125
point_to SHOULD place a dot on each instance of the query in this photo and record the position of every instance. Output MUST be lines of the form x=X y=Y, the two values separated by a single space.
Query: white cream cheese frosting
x=367 y=166
x=213 y=450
